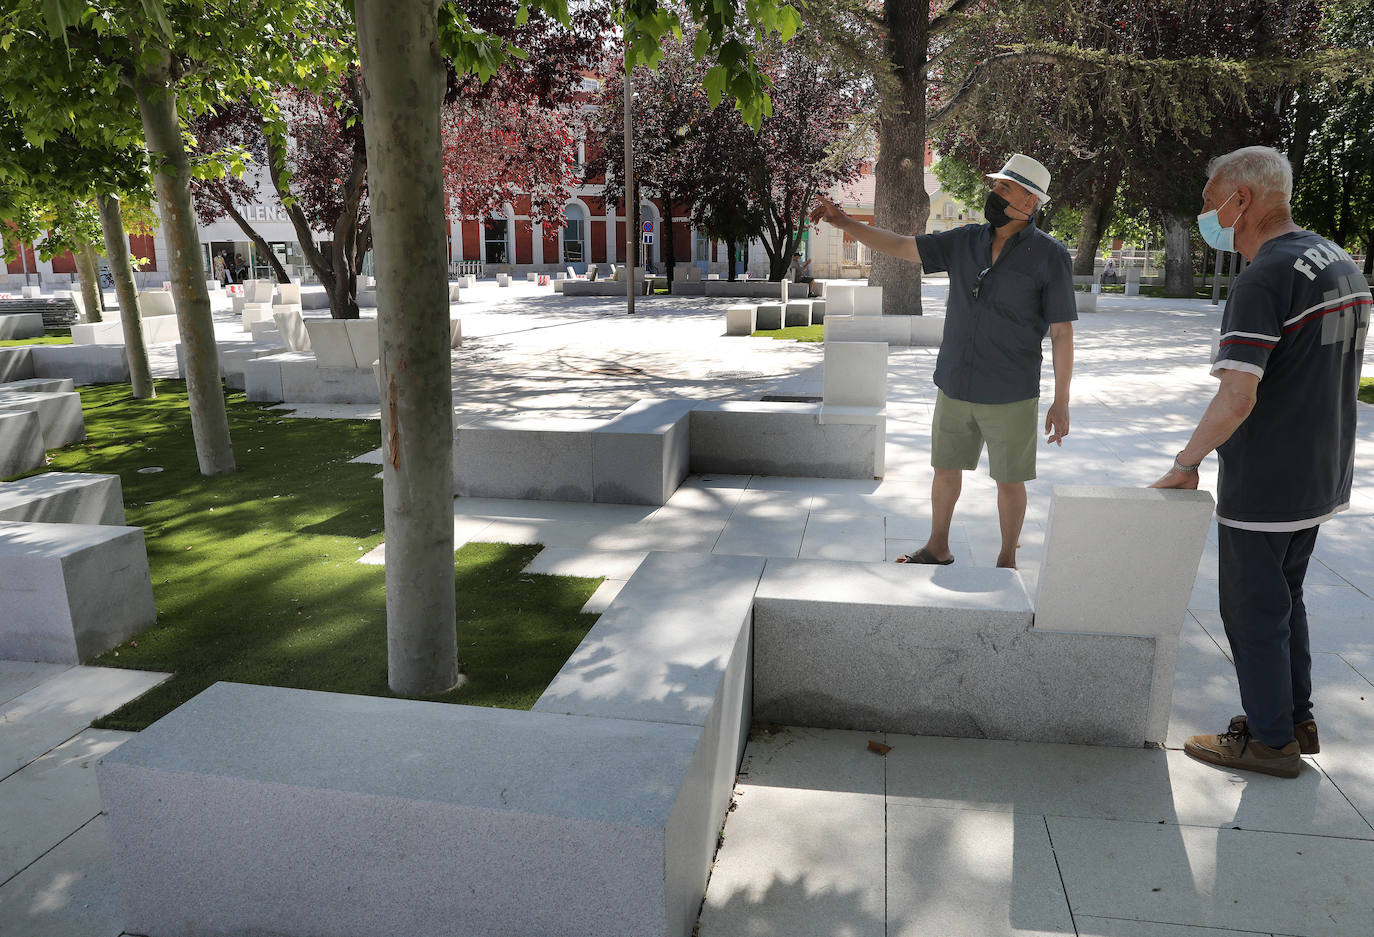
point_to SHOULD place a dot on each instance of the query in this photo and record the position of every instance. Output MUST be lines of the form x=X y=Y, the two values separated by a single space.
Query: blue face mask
x=1209 y=226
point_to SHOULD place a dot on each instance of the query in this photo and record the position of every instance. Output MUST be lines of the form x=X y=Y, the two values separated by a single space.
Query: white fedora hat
x=1026 y=172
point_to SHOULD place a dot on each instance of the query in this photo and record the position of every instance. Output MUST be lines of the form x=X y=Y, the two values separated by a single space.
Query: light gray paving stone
x=668 y=532
x=557 y=561
x=1316 y=886
x=971 y=873
x=813 y=759
x=57 y=709
x=860 y=539
x=1205 y=692
x=20 y=676
x=51 y=797
x=604 y=595
x=762 y=536
x=1145 y=785
x=798 y=861
x=67 y=892
x=1343 y=699
x=1116 y=927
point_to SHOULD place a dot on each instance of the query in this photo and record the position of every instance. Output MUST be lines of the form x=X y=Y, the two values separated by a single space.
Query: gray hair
x=1262 y=168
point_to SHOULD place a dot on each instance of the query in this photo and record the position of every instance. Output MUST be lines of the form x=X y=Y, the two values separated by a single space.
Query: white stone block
x=855 y=374
x=329 y=341
x=739 y=320
x=71 y=591
x=641 y=456
x=502 y=279
x=304 y=380
x=868 y=300
x=109 y=332
x=768 y=316
x=558 y=285
x=839 y=298
x=30 y=292
x=156 y=303
x=927 y=330
x=63 y=498
x=291 y=325
x=255 y=312
x=776 y=438
x=1085 y=302
x=59 y=414
x=544 y=459
x=522 y=823
x=288 y=294
x=796 y=313
x=262 y=377
x=16 y=362
x=362 y=335
x=21 y=442
x=455 y=332
x=21 y=325
x=84 y=364
x=1123 y=561
x=454 y=292
x=259 y=291
x=936 y=650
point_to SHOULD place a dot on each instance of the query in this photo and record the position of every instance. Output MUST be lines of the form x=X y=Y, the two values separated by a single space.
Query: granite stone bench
x=84 y=364
x=21 y=325
x=740 y=320
x=21 y=442
x=71 y=591
x=157 y=330
x=63 y=498
x=297 y=377
x=59 y=414
x=894 y=330
x=753 y=437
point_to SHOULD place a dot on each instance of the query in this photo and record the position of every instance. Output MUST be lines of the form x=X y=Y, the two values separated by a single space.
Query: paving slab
x=43 y=718
x=65 y=892
x=50 y=797
x=1144 y=785
x=20 y=676
x=971 y=873
x=1277 y=883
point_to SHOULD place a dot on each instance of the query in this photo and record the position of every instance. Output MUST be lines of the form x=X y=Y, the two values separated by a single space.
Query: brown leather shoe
x=1240 y=752
x=1305 y=732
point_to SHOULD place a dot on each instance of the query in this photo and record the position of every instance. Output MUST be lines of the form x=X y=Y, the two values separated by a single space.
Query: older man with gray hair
x=1283 y=425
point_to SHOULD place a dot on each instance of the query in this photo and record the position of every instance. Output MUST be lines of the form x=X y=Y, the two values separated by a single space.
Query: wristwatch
x=1180 y=467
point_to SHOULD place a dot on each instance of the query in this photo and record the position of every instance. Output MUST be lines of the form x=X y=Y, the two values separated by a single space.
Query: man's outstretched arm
x=902 y=246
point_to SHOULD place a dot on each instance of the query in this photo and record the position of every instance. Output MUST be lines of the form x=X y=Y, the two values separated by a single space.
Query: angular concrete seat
x=21 y=441
x=768 y=316
x=288 y=294
x=255 y=312
x=40 y=385
x=796 y=313
x=71 y=591
x=156 y=303
x=59 y=414
x=362 y=337
x=330 y=343
x=63 y=498
x=21 y=325
x=1123 y=561
x=291 y=325
x=739 y=320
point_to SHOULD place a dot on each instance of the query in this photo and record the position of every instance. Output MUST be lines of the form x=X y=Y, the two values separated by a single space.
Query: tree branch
x=946 y=18
x=973 y=79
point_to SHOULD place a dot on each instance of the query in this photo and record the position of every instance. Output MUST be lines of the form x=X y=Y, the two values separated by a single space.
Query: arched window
x=574 y=234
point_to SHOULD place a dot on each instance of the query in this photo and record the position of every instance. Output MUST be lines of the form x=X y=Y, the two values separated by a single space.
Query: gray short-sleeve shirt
x=992 y=346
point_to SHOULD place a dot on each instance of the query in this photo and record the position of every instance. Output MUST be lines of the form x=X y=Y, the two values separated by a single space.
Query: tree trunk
x=669 y=251
x=900 y=200
x=1097 y=216
x=157 y=105
x=1178 y=255
x=730 y=259
x=88 y=267
x=258 y=240
x=403 y=86
x=131 y=323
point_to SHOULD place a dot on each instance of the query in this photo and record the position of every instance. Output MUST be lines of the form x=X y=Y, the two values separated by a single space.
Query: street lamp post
x=626 y=202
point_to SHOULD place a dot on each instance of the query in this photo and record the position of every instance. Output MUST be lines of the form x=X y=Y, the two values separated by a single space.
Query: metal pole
x=628 y=200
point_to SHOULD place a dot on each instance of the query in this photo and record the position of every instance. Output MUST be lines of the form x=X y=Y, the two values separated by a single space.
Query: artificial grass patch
x=1367 y=389
x=796 y=333
x=52 y=337
x=255 y=573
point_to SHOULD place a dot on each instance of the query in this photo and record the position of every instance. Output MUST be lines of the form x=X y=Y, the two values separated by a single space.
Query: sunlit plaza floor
x=939 y=837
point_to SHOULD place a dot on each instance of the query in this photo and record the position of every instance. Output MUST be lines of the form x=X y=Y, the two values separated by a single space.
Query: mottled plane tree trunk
x=403 y=87
x=117 y=250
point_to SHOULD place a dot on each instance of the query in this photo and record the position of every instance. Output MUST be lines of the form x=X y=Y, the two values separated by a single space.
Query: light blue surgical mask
x=1209 y=226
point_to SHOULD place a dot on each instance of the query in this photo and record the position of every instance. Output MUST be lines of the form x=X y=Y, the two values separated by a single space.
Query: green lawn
x=53 y=337
x=1367 y=389
x=255 y=574
x=797 y=333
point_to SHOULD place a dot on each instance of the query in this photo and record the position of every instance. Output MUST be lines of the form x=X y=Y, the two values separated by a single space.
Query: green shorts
x=960 y=428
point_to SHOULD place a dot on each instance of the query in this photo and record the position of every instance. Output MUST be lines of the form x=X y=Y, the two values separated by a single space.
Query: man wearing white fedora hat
x=1009 y=284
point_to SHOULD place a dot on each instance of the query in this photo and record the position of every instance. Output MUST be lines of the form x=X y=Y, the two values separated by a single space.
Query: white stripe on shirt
x=1330 y=302
x=1281 y=526
x=1259 y=335
x=1233 y=365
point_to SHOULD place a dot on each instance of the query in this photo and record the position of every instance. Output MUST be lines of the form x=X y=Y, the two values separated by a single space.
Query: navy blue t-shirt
x=1297 y=319
x=991 y=349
